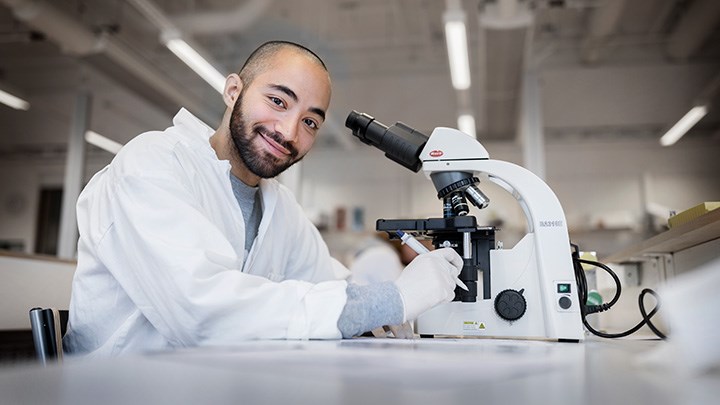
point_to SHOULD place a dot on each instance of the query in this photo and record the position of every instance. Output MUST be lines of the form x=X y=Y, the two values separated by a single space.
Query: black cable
x=646 y=316
x=589 y=309
x=604 y=307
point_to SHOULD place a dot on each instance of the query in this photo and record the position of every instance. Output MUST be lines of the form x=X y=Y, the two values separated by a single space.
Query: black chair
x=48 y=327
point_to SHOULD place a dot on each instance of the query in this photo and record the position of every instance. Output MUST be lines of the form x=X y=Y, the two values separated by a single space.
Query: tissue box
x=692 y=213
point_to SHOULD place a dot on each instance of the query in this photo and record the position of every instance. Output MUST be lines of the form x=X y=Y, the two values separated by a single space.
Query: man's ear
x=233 y=87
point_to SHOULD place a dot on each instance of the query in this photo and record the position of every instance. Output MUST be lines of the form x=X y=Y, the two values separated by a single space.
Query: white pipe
x=220 y=22
x=72 y=37
x=507 y=14
x=154 y=78
x=507 y=9
x=58 y=26
x=191 y=54
x=153 y=13
x=74 y=177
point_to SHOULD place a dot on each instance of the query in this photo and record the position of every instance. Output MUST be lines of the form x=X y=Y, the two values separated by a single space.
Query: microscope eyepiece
x=400 y=143
x=358 y=123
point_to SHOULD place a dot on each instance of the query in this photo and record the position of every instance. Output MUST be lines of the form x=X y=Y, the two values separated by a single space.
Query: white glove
x=429 y=280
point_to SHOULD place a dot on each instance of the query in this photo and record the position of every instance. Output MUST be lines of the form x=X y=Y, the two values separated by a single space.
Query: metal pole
x=74 y=177
x=533 y=138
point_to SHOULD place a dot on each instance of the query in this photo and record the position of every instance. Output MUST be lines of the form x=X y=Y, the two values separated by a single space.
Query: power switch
x=565 y=302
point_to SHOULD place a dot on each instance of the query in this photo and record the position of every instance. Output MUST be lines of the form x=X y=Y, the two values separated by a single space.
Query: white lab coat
x=377 y=262
x=161 y=250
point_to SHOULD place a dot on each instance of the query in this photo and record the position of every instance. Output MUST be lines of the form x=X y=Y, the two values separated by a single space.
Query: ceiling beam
x=75 y=39
x=602 y=26
x=693 y=29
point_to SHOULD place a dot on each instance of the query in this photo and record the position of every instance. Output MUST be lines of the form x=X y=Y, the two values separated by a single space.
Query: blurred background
x=578 y=91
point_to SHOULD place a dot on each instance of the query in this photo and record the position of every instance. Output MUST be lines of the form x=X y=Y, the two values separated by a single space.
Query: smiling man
x=186 y=239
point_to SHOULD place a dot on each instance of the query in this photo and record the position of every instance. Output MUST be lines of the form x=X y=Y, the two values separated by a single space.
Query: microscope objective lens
x=459 y=204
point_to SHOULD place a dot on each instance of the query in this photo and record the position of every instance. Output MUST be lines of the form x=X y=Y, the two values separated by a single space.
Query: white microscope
x=528 y=291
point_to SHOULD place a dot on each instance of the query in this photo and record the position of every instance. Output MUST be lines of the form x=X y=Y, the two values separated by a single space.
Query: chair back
x=48 y=327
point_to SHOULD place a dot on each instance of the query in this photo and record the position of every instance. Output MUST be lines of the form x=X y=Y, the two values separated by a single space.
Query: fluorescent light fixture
x=102 y=142
x=197 y=63
x=466 y=124
x=681 y=127
x=13 y=101
x=456 y=40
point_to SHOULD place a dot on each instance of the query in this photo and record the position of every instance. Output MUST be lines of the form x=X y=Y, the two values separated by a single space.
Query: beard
x=258 y=161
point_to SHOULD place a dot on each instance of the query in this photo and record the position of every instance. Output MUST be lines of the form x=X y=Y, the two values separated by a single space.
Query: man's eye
x=277 y=101
x=312 y=124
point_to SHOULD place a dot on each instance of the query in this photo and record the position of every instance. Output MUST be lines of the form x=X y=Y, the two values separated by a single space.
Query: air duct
x=505 y=34
x=73 y=38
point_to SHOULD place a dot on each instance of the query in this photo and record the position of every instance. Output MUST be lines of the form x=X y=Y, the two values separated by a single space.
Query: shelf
x=700 y=230
x=35 y=256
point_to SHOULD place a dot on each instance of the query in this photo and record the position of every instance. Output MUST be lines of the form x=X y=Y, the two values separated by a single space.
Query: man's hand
x=429 y=280
x=404 y=331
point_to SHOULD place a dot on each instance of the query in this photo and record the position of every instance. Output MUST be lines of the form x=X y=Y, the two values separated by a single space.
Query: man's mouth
x=273 y=146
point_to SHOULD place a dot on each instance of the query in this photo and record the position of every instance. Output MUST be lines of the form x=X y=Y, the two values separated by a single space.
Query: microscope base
x=479 y=319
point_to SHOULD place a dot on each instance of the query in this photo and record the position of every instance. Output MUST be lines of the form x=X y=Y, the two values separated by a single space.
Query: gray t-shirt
x=250 y=202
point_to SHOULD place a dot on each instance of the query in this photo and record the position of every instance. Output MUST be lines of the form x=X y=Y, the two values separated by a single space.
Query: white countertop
x=368 y=371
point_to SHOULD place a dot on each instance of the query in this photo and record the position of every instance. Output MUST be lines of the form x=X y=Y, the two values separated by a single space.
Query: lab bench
x=678 y=250
x=371 y=371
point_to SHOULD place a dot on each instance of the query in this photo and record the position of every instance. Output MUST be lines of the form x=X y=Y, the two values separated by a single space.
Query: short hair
x=260 y=57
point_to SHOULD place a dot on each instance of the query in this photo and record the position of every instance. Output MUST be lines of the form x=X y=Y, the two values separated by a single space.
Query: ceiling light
x=13 y=101
x=466 y=124
x=197 y=63
x=456 y=41
x=102 y=142
x=684 y=125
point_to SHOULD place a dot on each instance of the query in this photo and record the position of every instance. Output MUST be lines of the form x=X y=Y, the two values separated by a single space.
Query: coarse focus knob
x=510 y=304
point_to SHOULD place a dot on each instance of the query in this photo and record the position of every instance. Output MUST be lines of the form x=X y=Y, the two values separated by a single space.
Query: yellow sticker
x=473 y=325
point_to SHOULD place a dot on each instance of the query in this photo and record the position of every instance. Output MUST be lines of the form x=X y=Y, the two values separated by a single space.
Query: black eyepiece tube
x=400 y=143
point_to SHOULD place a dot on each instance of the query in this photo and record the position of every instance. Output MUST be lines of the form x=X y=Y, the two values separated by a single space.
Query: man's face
x=276 y=118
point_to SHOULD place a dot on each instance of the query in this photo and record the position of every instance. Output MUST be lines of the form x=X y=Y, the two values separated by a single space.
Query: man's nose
x=286 y=129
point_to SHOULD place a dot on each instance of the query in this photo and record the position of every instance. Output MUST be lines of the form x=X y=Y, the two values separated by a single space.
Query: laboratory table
x=371 y=371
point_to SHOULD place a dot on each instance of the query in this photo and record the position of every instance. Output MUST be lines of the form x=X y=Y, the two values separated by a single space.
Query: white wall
x=610 y=181
x=28 y=282
x=20 y=193
x=599 y=183
x=621 y=96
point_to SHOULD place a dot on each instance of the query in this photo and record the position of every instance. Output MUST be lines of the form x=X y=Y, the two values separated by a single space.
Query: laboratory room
x=360 y=201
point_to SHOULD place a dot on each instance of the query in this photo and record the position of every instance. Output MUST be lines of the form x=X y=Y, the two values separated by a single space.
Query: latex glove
x=429 y=280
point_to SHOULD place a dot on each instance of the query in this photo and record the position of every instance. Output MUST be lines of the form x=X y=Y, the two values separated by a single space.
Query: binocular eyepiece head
x=403 y=145
x=400 y=143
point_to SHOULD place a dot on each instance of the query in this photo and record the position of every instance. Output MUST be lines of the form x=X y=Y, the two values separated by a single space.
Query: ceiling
x=387 y=58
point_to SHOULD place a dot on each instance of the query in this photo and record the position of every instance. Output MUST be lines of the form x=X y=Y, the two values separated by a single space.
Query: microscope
x=527 y=291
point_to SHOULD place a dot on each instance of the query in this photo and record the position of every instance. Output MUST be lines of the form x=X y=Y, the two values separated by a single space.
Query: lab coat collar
x=185 y=118
x=268 y=187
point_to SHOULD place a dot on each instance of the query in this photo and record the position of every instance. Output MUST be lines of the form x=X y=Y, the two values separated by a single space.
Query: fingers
x=403 y=331
x=379 y=332
x=454 y=258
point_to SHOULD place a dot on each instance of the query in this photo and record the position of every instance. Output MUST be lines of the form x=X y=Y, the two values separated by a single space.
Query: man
x=186 y=240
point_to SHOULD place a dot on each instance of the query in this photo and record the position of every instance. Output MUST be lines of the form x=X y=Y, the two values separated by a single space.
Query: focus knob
x=510 y=304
